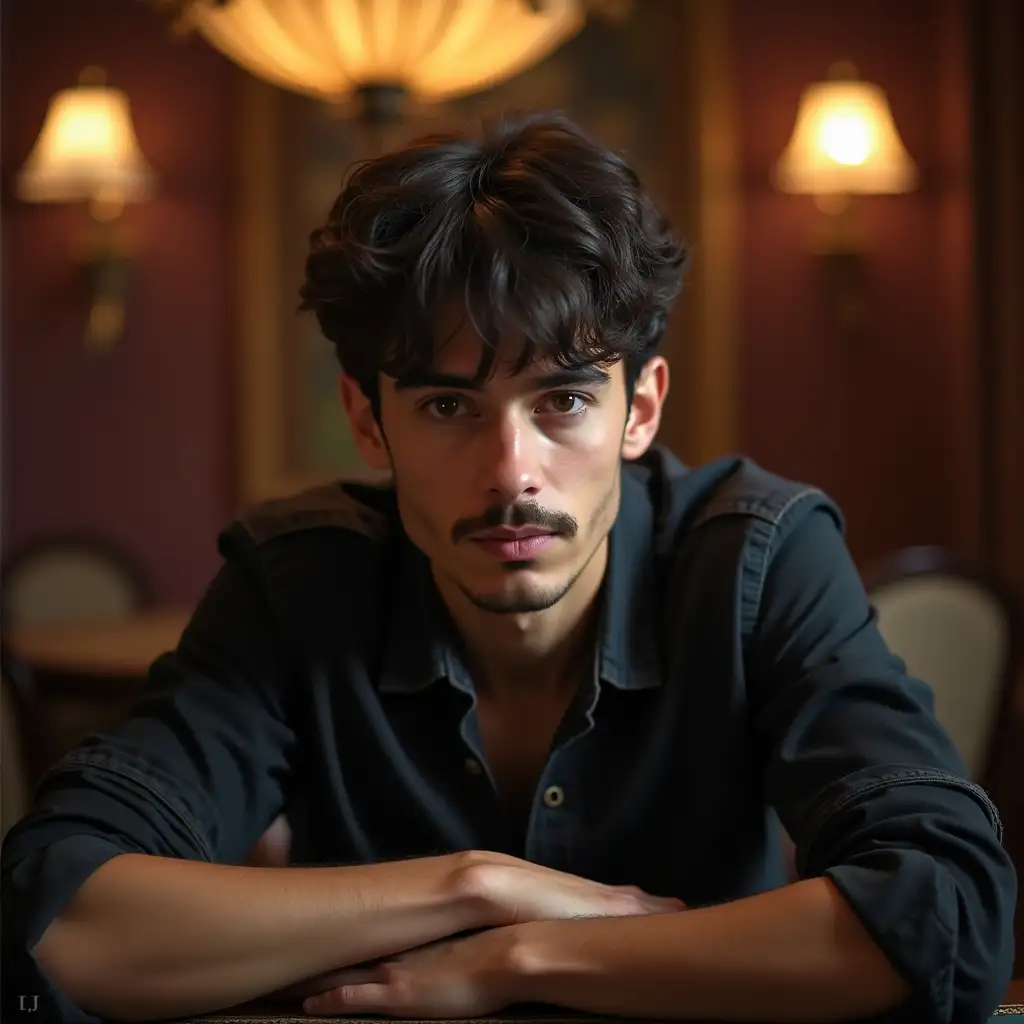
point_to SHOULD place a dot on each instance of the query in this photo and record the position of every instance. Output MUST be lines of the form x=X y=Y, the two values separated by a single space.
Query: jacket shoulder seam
x=326 y=506
x=753 y=492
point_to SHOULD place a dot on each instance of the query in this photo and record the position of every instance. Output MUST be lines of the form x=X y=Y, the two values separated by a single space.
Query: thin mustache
x=525 y=514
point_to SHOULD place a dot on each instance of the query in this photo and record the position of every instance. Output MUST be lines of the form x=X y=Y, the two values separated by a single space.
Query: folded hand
x=464 y=977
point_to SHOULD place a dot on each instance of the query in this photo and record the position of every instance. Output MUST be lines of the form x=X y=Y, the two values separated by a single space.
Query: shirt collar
x=423 y=646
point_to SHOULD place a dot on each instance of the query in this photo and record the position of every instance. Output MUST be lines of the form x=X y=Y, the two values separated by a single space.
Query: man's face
x=509 y=487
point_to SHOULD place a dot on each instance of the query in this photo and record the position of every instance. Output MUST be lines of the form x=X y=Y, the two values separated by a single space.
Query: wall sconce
x=844 y=144
x=87 y=152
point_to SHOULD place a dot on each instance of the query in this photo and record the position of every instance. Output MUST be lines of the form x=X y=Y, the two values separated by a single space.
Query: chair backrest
x=955 y=629
x=69 y=579
x=15 y=778
x=19 y=738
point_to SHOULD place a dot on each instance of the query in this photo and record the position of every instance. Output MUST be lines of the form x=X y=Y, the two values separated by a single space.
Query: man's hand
x=465 y=977
x=516 y=891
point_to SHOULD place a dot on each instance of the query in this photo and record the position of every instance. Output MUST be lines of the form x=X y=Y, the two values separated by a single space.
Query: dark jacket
x=739 y=679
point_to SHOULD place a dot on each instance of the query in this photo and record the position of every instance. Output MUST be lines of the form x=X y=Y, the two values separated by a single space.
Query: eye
x=567 y=403
x=444 y=407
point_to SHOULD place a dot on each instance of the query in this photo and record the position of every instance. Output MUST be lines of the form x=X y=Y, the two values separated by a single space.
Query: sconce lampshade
x=87 y=149
x=845 y=142
x=432 y=49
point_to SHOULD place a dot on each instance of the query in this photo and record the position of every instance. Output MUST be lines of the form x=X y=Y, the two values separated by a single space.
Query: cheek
x=418 y=454
x=422 y=499
x=589 y=453
x=423 y=517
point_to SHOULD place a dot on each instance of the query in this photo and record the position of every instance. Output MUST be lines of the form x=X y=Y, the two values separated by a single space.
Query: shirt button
x=554 y=796
x=472 y=766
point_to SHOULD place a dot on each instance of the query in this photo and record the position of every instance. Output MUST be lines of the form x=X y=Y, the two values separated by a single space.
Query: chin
x=518 y=596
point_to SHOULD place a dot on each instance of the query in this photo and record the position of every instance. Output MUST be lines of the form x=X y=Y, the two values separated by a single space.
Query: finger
x=273 y=849
x=666 y=905
x=367 y=998
x=331 y=979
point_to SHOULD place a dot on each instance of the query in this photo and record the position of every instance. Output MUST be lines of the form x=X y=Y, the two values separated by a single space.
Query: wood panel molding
x=259 y=440
x=998 y=72
x=1000 y=209
x=702 y=420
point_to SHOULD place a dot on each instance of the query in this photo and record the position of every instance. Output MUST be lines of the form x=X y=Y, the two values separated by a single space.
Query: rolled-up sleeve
x=870 y=786
x=197 y=771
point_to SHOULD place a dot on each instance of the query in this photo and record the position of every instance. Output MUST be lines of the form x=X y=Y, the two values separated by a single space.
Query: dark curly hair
x=534 y=226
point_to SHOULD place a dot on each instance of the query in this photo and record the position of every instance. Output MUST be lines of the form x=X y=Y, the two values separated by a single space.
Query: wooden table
x=84 y=676
x=118 y=649
x=257 y=1013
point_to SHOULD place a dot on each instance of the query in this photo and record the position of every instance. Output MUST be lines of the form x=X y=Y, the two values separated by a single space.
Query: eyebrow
x=582 y=376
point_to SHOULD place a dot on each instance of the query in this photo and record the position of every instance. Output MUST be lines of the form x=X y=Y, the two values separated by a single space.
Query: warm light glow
x=845 y=142
x=846 y=139
x=436 y=49
x=86 y=150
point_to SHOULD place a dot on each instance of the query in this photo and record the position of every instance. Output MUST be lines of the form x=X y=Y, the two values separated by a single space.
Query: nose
x=511 y=459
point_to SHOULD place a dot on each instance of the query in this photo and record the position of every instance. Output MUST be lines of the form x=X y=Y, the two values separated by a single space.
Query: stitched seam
x=908 y=777
x=772 y=531
x=70 y=763
x=759 y=508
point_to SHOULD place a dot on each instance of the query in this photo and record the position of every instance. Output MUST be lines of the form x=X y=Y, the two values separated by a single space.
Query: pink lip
x=514 y=548
x=512 y=533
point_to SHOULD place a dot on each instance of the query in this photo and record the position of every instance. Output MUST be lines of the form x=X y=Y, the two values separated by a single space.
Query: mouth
x=514 y=544
x=514 y=533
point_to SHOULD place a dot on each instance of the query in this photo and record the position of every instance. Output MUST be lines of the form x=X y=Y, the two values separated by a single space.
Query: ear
x=365 y=429
x=645 y=412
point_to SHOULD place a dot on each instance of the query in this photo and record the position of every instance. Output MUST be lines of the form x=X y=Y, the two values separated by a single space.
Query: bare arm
x=148 y=937
x=797 y=953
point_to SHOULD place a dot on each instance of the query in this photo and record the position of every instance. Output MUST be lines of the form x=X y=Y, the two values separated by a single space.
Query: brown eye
x=445 y=407
x=566 y=403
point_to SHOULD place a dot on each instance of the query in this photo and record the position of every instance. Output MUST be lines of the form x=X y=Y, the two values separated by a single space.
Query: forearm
x=797 y=953
x=148 y=937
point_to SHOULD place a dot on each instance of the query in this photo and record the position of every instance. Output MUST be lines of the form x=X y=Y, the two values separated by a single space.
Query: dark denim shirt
x=739 y=681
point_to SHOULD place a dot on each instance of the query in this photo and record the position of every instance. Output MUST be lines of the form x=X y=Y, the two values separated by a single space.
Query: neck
x=537 y=653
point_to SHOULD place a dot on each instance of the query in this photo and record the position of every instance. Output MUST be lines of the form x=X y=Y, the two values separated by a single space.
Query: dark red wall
x=132 y=447
x=886 y=424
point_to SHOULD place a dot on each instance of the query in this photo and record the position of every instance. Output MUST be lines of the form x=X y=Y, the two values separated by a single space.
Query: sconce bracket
x=839 y=242
x=106 y=254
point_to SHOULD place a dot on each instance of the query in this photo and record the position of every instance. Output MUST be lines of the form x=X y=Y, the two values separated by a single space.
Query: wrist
x=472 y=886
x=526 y=962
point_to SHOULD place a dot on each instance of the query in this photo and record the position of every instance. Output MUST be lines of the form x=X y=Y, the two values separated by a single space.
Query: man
x=533 y=713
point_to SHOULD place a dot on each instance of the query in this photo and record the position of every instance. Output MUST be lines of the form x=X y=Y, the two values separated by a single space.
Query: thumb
x=672 y=903
x=665 y=904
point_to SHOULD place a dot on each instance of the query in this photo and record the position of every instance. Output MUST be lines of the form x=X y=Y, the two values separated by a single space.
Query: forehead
x=459 y=352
